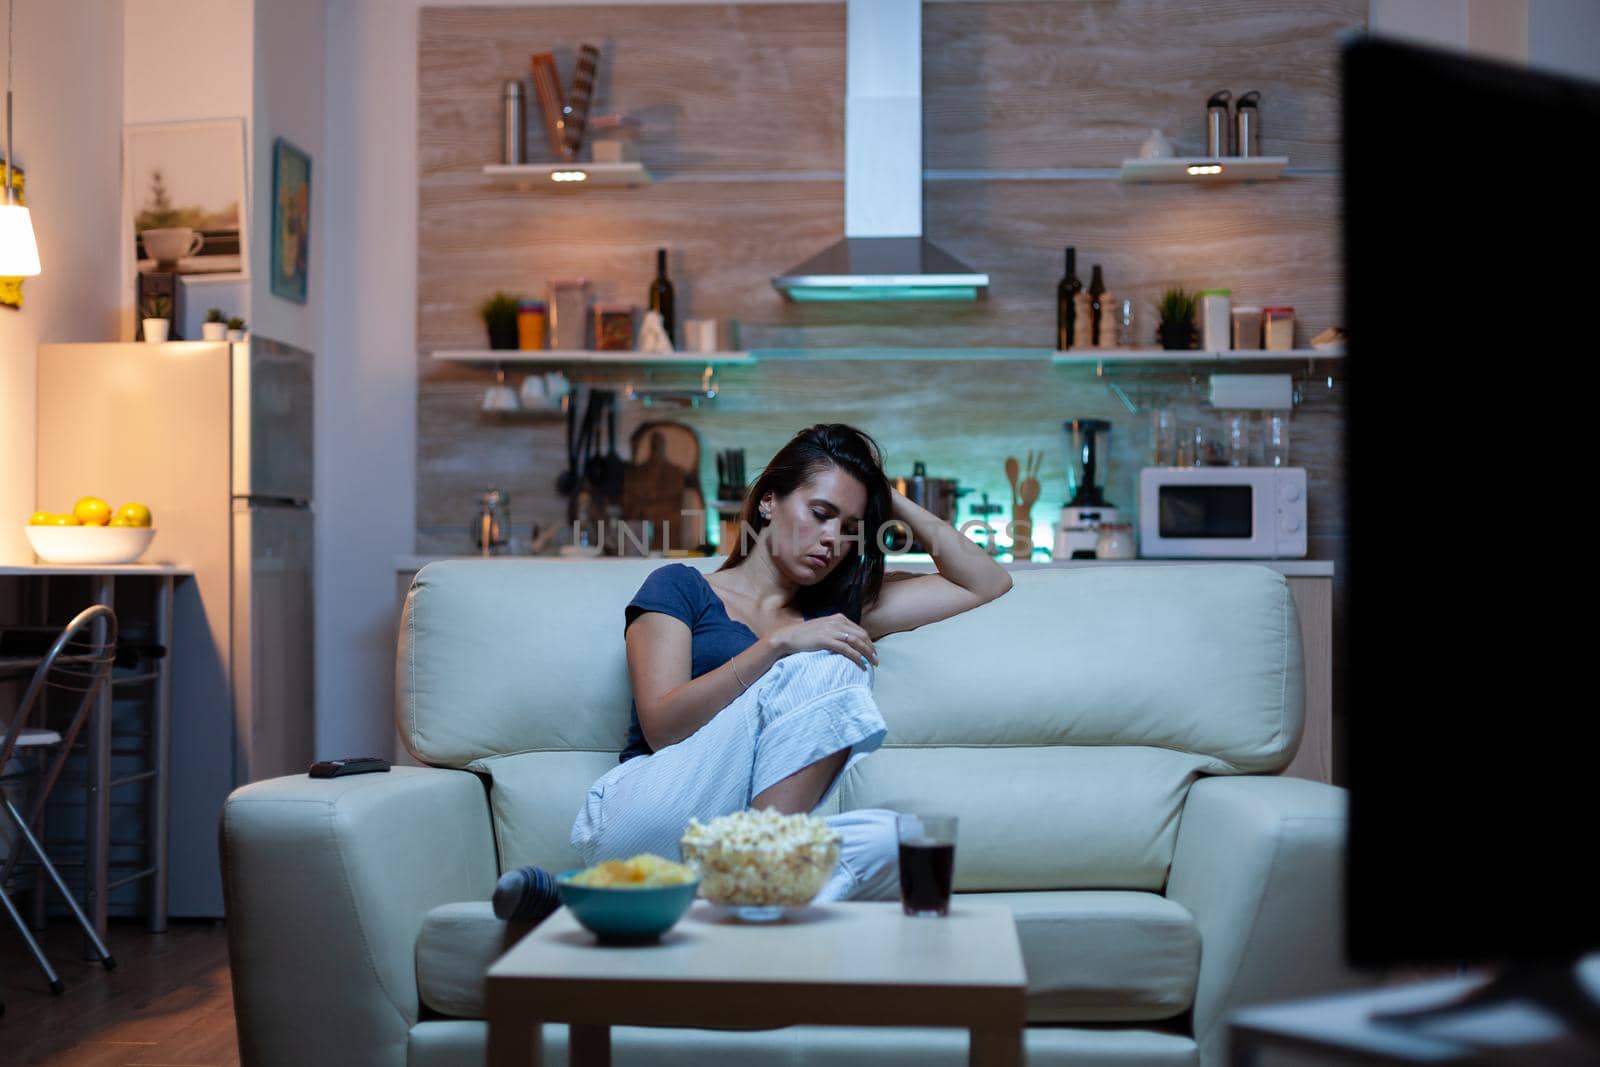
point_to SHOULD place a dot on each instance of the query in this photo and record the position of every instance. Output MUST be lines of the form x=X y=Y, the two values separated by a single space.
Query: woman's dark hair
x=853 y=585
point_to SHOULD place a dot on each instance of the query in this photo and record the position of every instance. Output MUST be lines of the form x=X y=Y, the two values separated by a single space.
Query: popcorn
x=761 y=858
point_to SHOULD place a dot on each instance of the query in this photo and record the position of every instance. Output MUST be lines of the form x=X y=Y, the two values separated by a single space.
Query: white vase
x=155 y=331
x=213 y=331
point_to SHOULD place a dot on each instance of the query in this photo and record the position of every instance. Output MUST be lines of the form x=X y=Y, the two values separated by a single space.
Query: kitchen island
x=1310 y=582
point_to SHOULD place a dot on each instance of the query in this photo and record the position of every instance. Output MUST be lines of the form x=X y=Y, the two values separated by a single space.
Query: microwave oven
x=1207 y=512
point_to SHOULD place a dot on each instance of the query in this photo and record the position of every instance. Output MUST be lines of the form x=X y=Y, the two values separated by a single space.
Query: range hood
x=883 y=255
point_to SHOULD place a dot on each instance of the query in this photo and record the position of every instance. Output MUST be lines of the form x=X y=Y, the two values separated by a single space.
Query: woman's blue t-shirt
x=683 y=592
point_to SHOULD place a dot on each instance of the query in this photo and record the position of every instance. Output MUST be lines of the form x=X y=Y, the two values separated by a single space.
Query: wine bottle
x=1066 y=309
x=661 y=296
x=1097 y=289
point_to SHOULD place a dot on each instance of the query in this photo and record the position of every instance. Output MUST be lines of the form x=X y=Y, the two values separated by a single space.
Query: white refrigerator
x=216 y=438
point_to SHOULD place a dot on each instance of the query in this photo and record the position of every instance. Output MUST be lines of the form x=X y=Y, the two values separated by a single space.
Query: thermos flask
x=1247 y=119
x=512 y=144
x=1218 y=128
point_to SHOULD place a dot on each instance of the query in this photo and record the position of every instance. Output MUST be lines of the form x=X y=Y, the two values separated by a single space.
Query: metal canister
x=1247 y=123
x=1218 y=128
x=513 y=144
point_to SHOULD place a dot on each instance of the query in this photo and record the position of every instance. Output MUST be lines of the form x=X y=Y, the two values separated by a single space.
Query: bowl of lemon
x=92 y=532
x=629 y=902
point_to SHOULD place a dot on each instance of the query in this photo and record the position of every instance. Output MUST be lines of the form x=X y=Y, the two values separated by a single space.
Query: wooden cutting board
x=662 y=480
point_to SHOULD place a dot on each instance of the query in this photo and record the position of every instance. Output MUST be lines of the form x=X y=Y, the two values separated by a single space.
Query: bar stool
x=79 y=662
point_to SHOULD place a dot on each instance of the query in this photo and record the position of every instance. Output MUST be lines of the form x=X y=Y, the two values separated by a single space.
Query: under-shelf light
x=1205 y=168
x=569 y=176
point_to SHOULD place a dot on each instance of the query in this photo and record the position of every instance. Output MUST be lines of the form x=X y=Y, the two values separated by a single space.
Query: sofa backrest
x=1063 y=722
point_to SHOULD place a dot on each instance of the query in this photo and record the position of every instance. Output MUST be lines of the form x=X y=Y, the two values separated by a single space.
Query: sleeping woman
x=752 y=685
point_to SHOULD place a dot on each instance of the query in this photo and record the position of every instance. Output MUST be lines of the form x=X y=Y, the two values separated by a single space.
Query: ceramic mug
x=171 y=245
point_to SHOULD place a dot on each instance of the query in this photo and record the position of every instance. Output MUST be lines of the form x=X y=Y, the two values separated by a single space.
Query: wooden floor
x=168 y=1003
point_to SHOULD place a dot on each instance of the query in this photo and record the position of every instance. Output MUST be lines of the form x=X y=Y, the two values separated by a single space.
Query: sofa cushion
x=454 y=950
x=1091 y=956
x=1201 y=658
x=1104 y=956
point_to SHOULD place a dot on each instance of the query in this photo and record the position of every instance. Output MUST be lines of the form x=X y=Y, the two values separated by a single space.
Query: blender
x=1088 y=449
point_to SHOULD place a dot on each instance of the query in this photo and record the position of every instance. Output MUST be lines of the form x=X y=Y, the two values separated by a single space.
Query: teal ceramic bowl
x=622 y=916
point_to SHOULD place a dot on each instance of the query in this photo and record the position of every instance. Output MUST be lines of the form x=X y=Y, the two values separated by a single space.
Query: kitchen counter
x=1310 y=583
x=1289 y=568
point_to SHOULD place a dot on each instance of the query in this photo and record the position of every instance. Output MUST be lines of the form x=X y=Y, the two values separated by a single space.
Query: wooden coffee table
x=842 y=964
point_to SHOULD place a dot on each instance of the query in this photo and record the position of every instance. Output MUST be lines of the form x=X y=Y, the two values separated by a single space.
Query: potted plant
x=157 y=319
x=235 y=329
x=215 y=328
x=500 y=315
x=1177 y=318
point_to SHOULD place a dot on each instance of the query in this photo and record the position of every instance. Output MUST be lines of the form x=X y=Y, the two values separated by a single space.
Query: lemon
x=121 y=520
x=91 y=511
x=62 y=520
x=40 y=518
x=135 y=514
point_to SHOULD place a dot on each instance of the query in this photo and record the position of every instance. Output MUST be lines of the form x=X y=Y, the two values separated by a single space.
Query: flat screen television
x=1472 y=231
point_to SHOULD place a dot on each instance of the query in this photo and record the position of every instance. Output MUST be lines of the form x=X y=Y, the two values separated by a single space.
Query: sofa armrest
x=326 y=884
x=1259 y=862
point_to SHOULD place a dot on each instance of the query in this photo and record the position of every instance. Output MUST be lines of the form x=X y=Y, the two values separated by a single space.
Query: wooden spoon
x=1030 y=492
x=1013 y=469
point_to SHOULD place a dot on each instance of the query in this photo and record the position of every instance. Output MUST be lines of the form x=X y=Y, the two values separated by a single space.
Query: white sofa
x=1108 y=736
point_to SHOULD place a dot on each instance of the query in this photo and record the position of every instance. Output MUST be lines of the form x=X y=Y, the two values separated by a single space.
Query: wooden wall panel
x=756 y=92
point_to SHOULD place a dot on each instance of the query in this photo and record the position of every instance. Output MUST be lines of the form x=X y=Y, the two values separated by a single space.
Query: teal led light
x=838 y=293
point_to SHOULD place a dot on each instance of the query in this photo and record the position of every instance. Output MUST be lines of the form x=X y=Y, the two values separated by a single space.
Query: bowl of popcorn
x=760 y=863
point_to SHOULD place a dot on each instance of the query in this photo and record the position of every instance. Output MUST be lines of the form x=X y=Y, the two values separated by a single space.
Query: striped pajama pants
x=809 y=705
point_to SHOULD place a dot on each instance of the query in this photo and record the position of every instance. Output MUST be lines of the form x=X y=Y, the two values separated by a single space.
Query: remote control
x=338 y=768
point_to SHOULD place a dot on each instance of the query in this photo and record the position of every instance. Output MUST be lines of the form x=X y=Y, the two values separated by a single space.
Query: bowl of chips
x=760 y=863
x=631 y=901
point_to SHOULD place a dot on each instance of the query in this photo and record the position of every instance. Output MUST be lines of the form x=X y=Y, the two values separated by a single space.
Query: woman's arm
x=672 y=706
x=967 y=577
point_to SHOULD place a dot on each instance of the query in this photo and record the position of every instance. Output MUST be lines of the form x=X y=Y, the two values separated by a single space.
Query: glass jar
x=530 y=325
x=1164 y=438
x=1115 y=542
x=1278 y=329
x=569 y=314
x=1238 y=439
x=1276 y=433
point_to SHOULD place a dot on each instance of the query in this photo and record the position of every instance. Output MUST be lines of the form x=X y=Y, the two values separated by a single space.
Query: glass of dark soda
x=927 y=862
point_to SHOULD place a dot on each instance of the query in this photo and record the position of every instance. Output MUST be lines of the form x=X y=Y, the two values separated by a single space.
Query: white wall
x=217 y=83
x=1555 y=35
x=288 y=101
x=67 y=134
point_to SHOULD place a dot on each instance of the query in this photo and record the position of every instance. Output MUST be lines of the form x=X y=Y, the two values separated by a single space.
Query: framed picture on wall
x=291 y=220
x=184 y=191
x=11 y=288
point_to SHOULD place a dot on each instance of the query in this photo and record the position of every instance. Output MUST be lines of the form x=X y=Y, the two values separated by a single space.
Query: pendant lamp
x=19 y=252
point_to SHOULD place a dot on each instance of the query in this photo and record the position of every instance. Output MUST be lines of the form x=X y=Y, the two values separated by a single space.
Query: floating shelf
x=565 y=356
x=563 y=177
x=1086 y=357
x=1201 y=169
x=1164 y=355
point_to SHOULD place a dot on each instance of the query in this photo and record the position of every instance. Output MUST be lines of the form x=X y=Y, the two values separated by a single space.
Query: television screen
x=1472 y=225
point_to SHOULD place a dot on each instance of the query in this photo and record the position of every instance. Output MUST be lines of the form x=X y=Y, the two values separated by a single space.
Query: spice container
x=1247 y=328
x=569 y=314
x=1278 y=329
x=531 y=319
x=613 y=327
x=1115 y=541
x=1214 y=319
